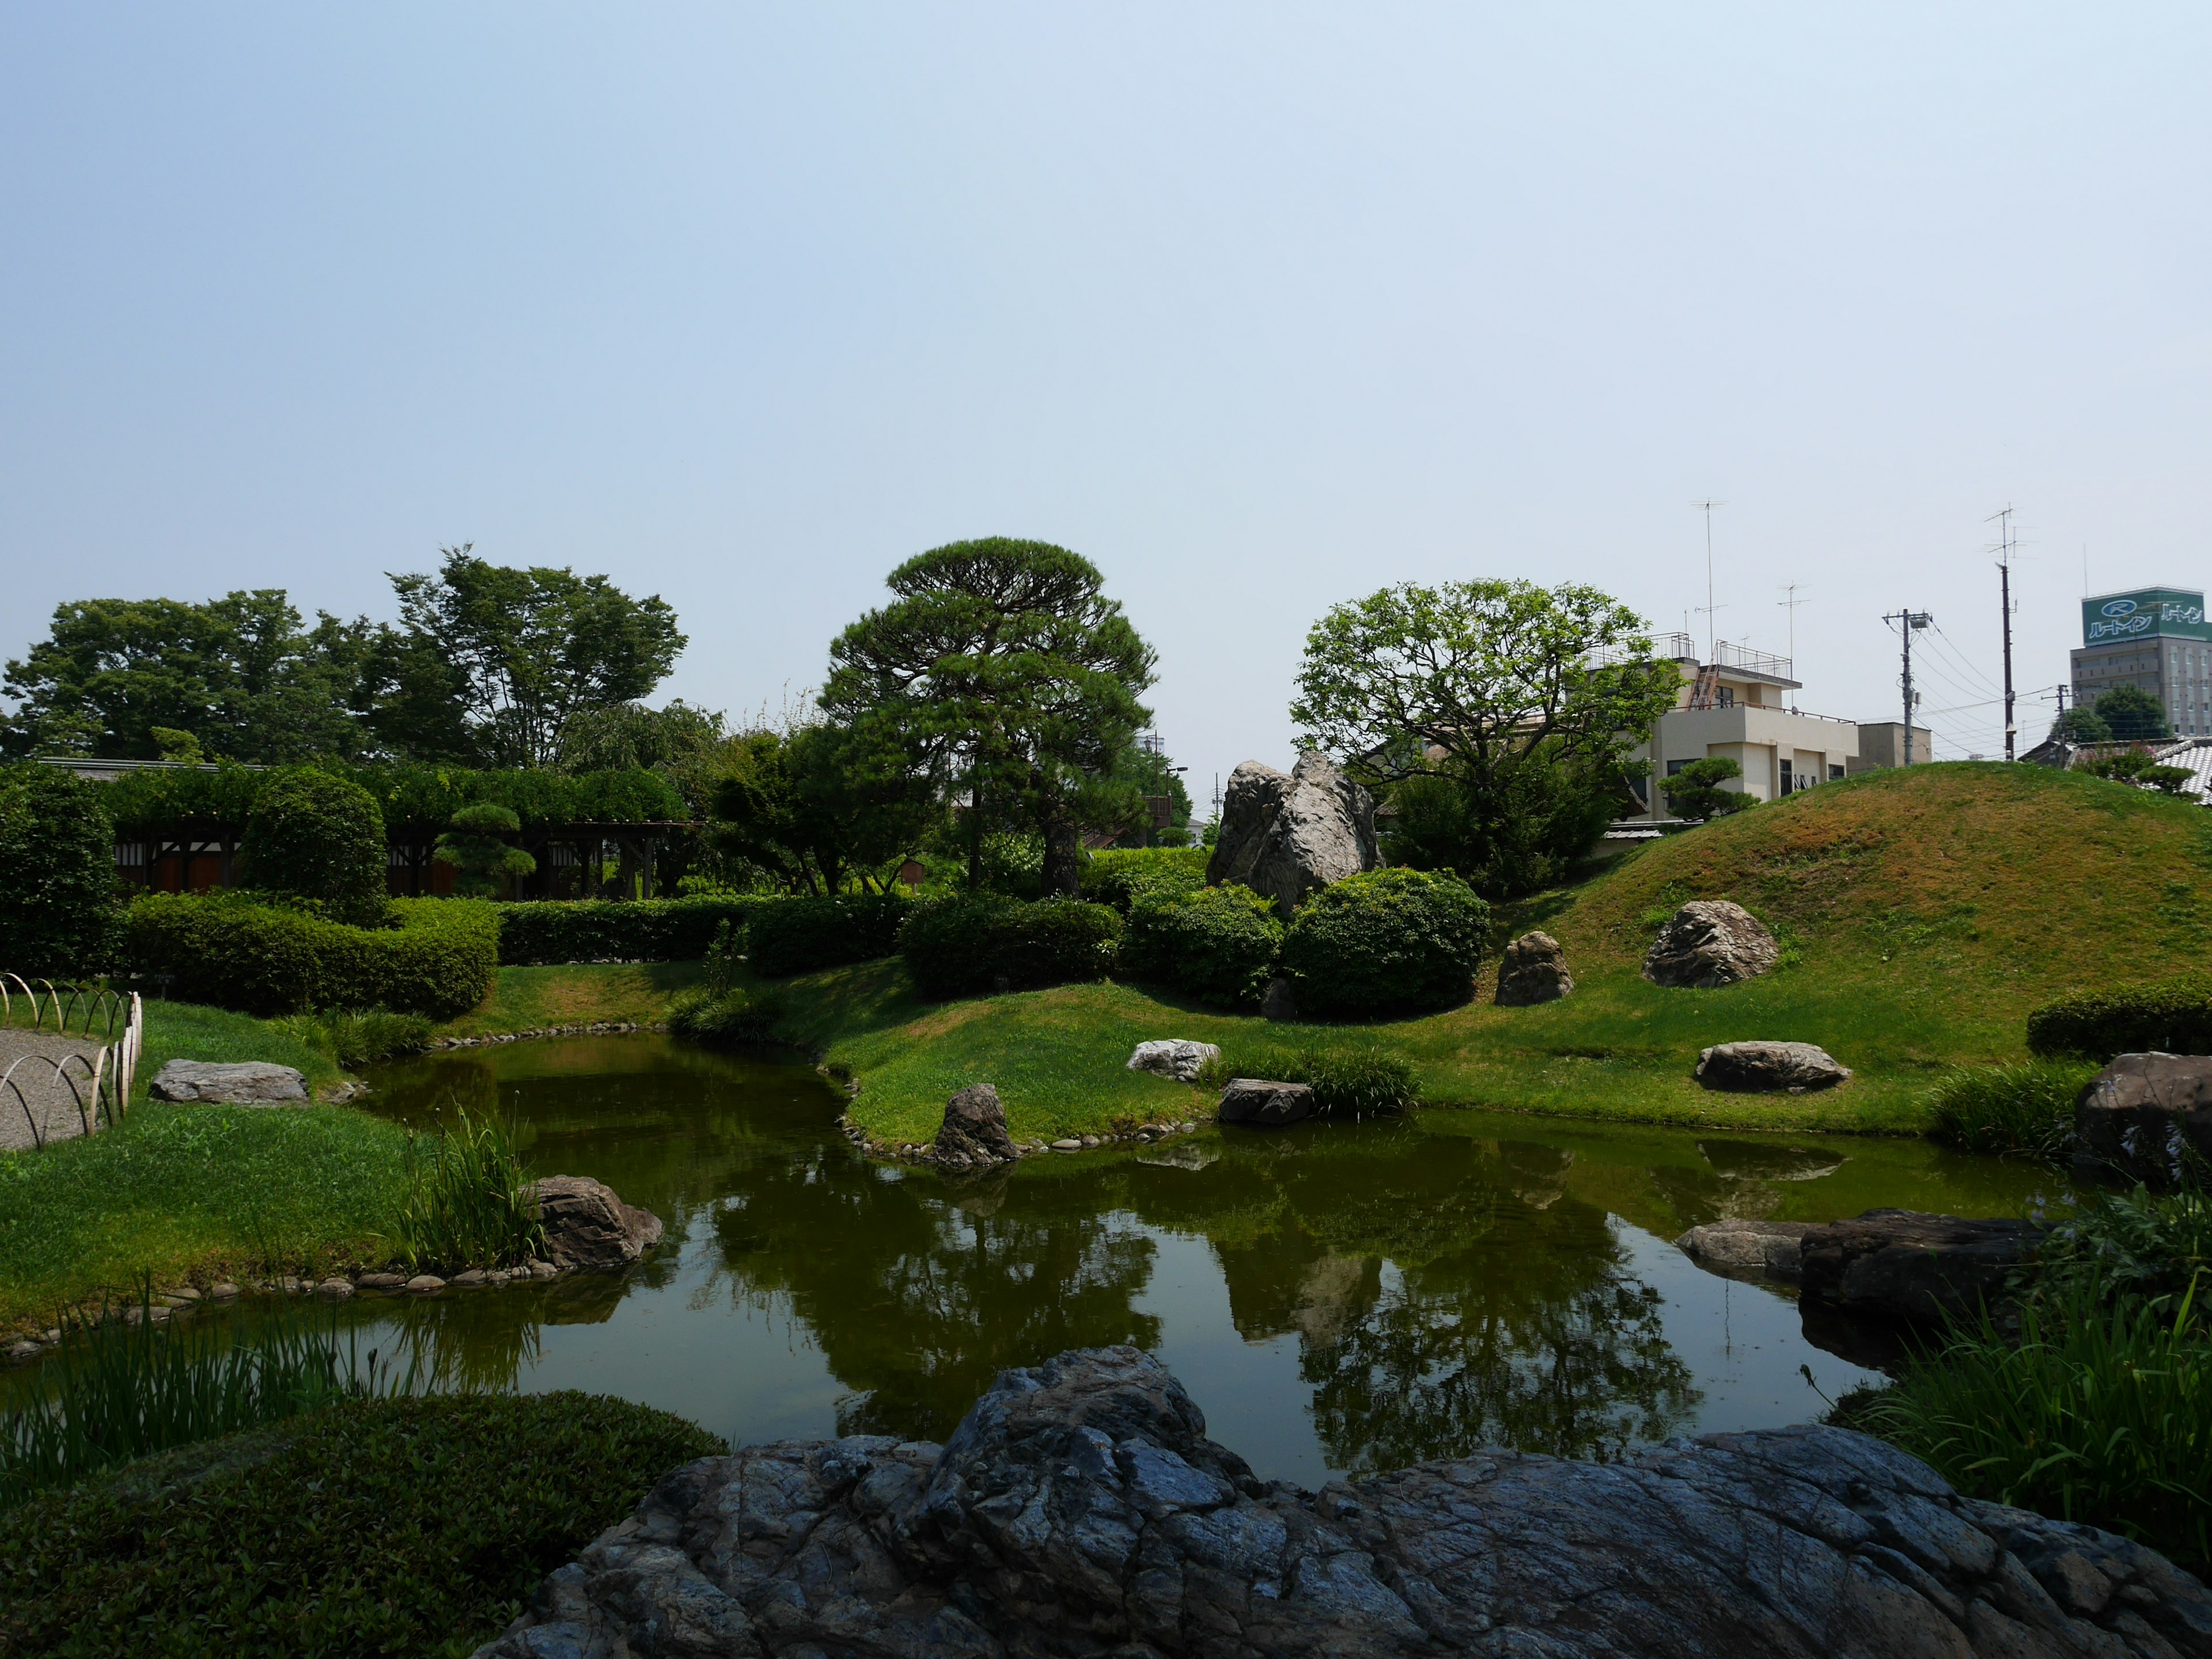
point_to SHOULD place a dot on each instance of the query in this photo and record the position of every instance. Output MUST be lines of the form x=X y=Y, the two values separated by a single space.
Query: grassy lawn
x=1922 y=914
x=191 y=1030
x=581 y=994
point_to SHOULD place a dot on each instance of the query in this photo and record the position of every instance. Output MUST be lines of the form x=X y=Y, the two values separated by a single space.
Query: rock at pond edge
x=233 y=1083
x=1771 y=1068
x=1908 y=1265
x=1265 y=1104
x=2144 y=1113
x=587 y=1226
x=973 y=1135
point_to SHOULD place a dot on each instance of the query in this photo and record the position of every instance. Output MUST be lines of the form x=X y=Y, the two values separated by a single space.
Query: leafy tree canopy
x=814 y=807
x=2080 y=724
x=236 y=678
x=317 y=837
x=2133 y=715
x=59 y=913
x=1001 y=670
x=1486 y=685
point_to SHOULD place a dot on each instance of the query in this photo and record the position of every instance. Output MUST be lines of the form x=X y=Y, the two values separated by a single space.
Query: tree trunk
x=974 y=835
x=1063 y=857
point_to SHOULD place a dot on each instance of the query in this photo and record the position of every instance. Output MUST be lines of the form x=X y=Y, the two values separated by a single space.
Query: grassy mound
x=1923 y=914
x=389 y=1527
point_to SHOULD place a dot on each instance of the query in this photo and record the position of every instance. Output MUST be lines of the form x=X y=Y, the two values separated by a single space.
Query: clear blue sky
x=1259 y=307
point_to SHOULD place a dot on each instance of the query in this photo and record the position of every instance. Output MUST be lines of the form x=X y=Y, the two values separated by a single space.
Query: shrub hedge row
x=435 y=959
x=602 y=930
x=1119 y=876
x=1219 y=944
x=963 y=945
x=2173 y=1016
x=800 y=935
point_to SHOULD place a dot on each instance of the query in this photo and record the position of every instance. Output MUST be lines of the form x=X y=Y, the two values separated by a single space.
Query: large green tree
x=1002 y=673
x=236 y=679
x=498 y=660
x=1488 y=686
x=2131 y=714
x=815 y=806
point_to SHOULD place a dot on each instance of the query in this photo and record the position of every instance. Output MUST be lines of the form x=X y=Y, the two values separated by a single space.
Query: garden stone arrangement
x=1080 y=1509
x=2142 y=1114
x=1709 y=942
x=1893 y=1264
x=237 y=1083
x=1283 y=836
x=1769 y=1067
x=1534 y=970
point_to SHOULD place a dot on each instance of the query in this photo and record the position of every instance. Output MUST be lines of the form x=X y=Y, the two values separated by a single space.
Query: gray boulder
x=974 y=1133
x=1173 y=1057
x=1534 y=970
x=1739 y=1248
x=1080 y=1509
x=2142 y=1114
x=1709 y=942
x=1287 y=837
x=1281 y=1001
x=240 y=1083
x=1263 y=1104
x=1768 y=1068
x=587 y=1226
x=1903 y=1264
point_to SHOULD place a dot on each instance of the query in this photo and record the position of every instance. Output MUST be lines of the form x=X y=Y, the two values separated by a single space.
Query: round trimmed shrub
x=946 y=942
x=1389 y=941
x=317 y=837
x=60 y=914
x=1219 y=944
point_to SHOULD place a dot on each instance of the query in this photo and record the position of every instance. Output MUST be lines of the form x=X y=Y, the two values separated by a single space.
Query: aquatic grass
x=468 y=1202
x=743 y=1014
x=2024 y=1108
x=1346 y=1080
x=123 y=1385
x=2133 y=1243
x=2097 y=1409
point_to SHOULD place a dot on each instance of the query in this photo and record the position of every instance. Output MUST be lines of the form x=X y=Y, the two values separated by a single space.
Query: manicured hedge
x=435 y=960
x=633 y=930
x=1119 y=876
x=317 y=837
x=963 y=946
x=407 y=1525
x=799 y=935
x=2173 y=1016
x=1387 y=942
x=58 y=915
x=1219 y=944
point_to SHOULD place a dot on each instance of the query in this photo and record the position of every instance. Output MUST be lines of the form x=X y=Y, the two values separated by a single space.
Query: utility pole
x=1908 y=620
x=1710 y=607
x=1791 y=604
x=2004 y=521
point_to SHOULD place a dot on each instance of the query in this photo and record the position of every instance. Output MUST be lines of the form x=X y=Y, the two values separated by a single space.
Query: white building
x=1736 y=707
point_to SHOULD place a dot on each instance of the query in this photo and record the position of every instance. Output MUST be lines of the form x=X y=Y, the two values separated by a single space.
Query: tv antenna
x=1707 y=507
x=1790 y=605
x=2003 y=519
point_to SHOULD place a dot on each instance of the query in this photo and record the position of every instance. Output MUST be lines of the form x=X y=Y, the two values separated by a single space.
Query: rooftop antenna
x=1791 y=604
x=1707 y=507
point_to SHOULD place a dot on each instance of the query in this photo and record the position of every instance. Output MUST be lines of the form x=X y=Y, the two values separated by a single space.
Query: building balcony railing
x=1680 y=647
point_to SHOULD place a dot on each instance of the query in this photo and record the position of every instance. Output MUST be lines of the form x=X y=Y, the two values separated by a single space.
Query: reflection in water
x=1423 y=1287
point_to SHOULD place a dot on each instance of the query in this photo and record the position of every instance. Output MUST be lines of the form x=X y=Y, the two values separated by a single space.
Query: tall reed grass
x=1346 y=1080
x=470 y=1202
x=742 y=1015
x=120 y=1387
x=355 y=1037
x=2100 y=1410
x=2026 y=1108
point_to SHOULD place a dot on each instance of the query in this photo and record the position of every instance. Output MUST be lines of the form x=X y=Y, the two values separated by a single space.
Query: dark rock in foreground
x=1906 y=1265
x=2143 y=1115
x=1534 y=970
x=1079 y=1510
x=1768 y=1068
x=587 y=1226
x=1709 y=942
x=974 y=1134
x=1265 y=1104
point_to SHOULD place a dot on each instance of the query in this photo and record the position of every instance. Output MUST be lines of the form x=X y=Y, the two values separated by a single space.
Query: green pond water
x=1336 y=1297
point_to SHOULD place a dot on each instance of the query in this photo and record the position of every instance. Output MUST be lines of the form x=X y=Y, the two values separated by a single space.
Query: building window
x=1674 y=768
x=1835 y=772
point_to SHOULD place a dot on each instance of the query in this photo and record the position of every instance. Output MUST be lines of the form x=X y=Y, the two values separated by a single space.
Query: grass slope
x=1924 y=912
x=578 y=994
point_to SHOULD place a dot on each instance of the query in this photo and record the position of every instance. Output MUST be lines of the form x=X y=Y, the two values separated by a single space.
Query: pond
x=1337 y=1297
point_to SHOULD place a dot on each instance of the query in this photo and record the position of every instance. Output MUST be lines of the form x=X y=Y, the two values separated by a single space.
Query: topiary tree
x=472 y=845
x=313 y=836
x=1388 y=941
x=60 y=914
x=1695 y=792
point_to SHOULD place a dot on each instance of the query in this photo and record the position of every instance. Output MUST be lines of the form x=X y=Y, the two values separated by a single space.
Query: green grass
x=2025 y=1108
x=191 y=1030
x=376 y=1528
x=576 y=994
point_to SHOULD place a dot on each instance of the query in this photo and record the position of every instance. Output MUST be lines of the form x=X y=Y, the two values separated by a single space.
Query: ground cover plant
x=372 y=1527
x=354 y=1038
x=1348 y=1078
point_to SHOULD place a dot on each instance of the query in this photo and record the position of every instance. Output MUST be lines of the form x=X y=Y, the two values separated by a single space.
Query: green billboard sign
x=2144 y=613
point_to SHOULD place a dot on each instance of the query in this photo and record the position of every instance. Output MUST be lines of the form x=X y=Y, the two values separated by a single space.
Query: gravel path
x=47 y=1098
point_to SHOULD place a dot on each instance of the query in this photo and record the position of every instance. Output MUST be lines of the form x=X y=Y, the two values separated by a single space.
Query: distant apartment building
x=2151 y=637
x=1736 y=707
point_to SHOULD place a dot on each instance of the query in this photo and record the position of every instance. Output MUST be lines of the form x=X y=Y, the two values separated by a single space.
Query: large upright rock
x=1285 y=837
x=587 y=1226
x=2143 y=1115
x=1534 y=970
x=1080 y=1509
x=974 y=1133
x=1709 y=942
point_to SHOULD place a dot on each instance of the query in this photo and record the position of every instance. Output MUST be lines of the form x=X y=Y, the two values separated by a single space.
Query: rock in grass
x=1709 y=942
x=587 y=1226
x=1534 y=970
x=1265 y=1104
x=1173 y=1057
x=1907 y=1264
x=1287 y=837
x=1768 y=1068
x=1281 y=1001
x=1745 y=1248
x=974 y=1133
x=2142 y=1114
x=1080 y=1509
x=241 y=1083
